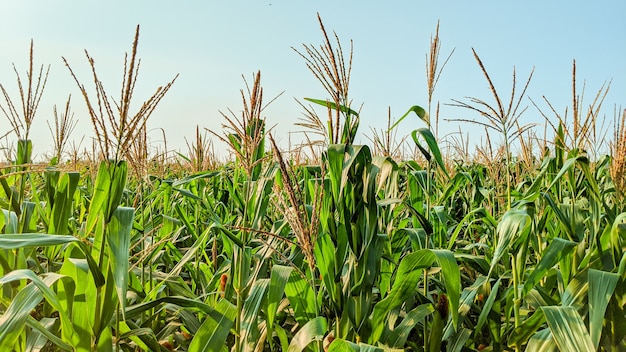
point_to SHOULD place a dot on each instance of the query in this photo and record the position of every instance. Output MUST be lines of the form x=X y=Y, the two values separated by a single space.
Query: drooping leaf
x=568 y=329
x=514 y=224
x=400 y=333
x=550 y=257
x=418 y=110
x=433 y=146
x=314 y=330
x=13 y=320
x=213 y=332
x=404 y=286
x=332 y=106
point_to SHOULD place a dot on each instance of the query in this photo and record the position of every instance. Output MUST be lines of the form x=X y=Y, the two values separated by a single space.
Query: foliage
x=354 y=252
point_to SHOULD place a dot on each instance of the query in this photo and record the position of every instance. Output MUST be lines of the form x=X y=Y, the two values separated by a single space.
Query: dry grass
x=115 y=127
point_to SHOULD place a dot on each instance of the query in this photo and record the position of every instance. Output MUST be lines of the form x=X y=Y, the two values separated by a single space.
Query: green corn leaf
x=428 y=228
x=194 y=304
x=301 y=298
x=568 y=165
x=278 y=280
x=105 y=340
x=143 y=337
x=542 y=341
x=24 y=151
x=458 y=340
x=91 y=262
x=9 y=221
x=107 y=194
x=99 y=197
x=432 y=146
x=565 y=223
x=484 y=312
x=282 y=337
x=42 y=329
x=568 y=329
x=601 y=287
x=211 y=336
x=557 y=249
x=189 y=254
x=14 y=319
x=513 y=225
x=251 y=308
x=333 y=106
x=3 y=213
x=12 y=195
x=418 y=110
x=314 y=330
x=527 y=330
x=400 y=333
x=324 y=251
x=404 y=286
x=64 y=194
x=197 y=176
x=335 y=160
x=231 y=236
x=452 y=277
x=24 y=240
x=118 y=237
x=341 y=345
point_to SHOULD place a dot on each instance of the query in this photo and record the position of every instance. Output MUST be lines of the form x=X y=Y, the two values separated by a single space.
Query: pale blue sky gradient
x=211 y=44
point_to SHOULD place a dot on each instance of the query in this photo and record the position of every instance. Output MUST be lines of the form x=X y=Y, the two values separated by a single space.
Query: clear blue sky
x=211 y=44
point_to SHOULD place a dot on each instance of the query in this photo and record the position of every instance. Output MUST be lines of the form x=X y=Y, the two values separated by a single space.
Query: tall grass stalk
x=30 y=92
x=501 y=118
x=64 y=125
x=433 y=73
x=618 y=157
x=328 y=64
x=115 y=126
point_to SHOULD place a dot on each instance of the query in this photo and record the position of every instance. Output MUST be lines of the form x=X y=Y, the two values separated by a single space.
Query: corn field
x=335 y=246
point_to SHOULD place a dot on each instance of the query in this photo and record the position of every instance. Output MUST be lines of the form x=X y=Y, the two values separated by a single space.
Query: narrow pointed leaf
x=278 y=280
x=332 y=106
x=118 y=237
x=601 y=287
x=23 y=240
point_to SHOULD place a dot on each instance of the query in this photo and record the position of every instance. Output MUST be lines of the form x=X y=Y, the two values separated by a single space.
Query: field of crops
x=331 y=247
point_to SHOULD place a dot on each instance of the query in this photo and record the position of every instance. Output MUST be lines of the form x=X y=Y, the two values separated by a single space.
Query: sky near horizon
x=212 y=44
